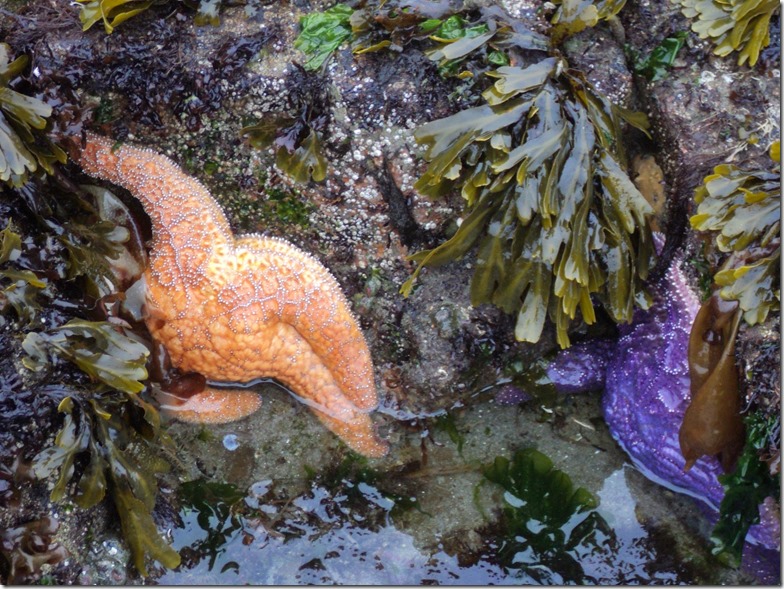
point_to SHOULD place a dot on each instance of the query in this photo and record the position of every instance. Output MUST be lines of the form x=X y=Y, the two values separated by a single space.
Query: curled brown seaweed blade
x=712 y=424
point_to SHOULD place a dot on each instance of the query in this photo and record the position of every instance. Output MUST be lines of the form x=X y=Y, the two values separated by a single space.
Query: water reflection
x=346 y=535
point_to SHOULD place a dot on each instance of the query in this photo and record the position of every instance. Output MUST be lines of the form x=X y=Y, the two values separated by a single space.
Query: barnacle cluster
x=732 y=25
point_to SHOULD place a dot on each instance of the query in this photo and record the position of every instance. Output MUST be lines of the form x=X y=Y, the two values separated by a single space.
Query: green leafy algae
x=745 y=488
x=744 y=208
x=322 y=33
x=214 y=504
x=732 y=25
x=23 y=146
x=545 y=514
x=657 y=65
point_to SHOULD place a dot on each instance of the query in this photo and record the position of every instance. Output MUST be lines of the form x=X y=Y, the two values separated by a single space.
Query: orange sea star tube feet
x=241 y=309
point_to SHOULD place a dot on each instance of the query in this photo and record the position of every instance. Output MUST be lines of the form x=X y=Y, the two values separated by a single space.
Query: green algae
x=732 y=25
x=322 y=33
x=745 y=489
x=545 y=516
x=216 y=505
x=656 y=66
x=743 y=208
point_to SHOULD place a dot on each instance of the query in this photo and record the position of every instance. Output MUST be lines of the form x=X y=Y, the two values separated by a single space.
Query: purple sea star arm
x=582 y=367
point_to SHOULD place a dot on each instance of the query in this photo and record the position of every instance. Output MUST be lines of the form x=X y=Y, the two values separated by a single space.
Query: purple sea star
x=645 y=375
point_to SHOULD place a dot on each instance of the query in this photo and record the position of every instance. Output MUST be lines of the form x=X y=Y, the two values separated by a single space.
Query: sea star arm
x=241 y=309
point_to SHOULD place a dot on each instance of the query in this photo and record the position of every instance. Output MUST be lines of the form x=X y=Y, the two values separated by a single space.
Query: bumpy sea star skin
x=240 y=309
x=646 y=389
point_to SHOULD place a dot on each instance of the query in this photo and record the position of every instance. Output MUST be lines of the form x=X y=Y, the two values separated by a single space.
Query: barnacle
x=297 y=139
x=22 y=147
x=732 y=25
x=744 y=207
x=545 y=514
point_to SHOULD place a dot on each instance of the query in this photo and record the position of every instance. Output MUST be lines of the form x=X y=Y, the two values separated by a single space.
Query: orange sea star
x=237 y=309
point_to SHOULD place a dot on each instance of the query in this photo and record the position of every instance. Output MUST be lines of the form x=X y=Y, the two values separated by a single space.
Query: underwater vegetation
x=656 y=65
x=297 y=138
x=114 y=12
x=732 y=25
x=712 y=424
x=28 y=546
x=744 y=209
x=545 y=517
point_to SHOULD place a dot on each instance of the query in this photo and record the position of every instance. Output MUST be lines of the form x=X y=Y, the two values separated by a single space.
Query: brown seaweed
x=712 y=424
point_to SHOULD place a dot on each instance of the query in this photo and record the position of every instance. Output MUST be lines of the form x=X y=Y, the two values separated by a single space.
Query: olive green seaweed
x=120 y=433
x=744 y=209
x=538 y=159
x=549 y=237
x=112 y=13
x=98 y=348
x=23 y=145
x=21 y=293
x=732 y=25
x=574 y=16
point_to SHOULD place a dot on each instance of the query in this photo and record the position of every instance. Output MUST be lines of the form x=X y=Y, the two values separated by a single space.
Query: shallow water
x=294 y=522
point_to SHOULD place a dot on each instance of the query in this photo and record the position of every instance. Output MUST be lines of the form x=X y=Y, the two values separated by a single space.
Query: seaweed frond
x=732 y=25
x=744 y=208
x=322 y=33
x=23 y=146
x=545 y=515
x=557 y=218
x=118 y=435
